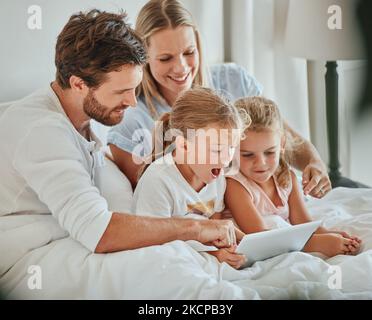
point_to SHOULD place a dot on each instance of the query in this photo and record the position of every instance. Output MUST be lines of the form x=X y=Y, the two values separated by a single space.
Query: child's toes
x=347 y=243
x=353 y=248
x=345 y=234
x=348 y=250
x=356 y=243
x=353 y=251
x=356 y=248
x=355 y=238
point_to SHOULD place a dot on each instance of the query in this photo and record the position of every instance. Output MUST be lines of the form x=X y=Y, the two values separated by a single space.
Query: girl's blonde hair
x=265 y=115
x=158 y=15
x=196 y=108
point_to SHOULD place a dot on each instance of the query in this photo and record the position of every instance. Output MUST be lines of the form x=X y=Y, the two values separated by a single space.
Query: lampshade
x=323 y=30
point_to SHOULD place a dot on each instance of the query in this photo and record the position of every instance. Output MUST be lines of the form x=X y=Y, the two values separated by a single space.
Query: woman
x=175 y=64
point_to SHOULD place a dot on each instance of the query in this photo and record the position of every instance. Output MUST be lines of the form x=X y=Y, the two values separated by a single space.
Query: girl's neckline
x=276 y=190
x=181 y=176
x=183 y=173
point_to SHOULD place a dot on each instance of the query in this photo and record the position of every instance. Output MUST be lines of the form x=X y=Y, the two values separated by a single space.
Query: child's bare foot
x=346 y=235
x=323 y=230
x=332 y=244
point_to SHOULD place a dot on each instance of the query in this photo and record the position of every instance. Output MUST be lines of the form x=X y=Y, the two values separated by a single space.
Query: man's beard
x=100 y=112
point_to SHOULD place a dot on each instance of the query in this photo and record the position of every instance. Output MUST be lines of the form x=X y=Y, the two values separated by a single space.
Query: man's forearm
x=126 y=232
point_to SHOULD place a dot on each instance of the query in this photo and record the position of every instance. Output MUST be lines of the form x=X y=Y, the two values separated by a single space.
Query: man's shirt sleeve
x=51 y=161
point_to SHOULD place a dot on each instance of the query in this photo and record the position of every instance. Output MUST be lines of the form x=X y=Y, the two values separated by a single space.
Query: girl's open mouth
x=216 y=172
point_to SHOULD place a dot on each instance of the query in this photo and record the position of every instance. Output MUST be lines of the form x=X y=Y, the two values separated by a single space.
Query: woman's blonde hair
x=196 y=108
x=264 y=115
x=158 y=15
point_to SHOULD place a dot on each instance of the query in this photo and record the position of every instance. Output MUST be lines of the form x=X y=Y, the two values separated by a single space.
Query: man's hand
x=315 y=180
x=220 y=233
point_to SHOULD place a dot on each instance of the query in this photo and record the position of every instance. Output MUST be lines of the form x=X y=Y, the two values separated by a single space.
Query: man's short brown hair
x=94 y=43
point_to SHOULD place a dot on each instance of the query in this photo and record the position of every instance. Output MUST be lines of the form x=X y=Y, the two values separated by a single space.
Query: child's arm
x=297 y=209
x=240 y=203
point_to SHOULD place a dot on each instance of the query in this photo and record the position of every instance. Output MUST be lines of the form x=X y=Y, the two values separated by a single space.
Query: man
x=49 y=156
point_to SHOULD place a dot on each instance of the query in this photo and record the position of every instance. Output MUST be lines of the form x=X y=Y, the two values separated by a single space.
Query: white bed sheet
x=176 y=271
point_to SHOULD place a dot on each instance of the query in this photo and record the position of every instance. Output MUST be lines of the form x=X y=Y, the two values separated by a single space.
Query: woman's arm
x=125 y=161
x=242 y=208
x=315 y=180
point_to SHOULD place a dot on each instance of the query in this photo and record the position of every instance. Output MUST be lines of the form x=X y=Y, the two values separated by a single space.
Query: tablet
x=266 y=244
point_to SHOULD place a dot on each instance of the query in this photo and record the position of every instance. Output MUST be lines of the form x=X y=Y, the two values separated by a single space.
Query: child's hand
x=229 y=256
x=239 y=235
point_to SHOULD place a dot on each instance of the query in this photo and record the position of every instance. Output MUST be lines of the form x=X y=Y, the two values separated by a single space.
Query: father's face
x=107 y=103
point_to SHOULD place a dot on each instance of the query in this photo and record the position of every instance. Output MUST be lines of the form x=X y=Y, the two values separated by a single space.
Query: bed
x=38 y=260
x=66 y=270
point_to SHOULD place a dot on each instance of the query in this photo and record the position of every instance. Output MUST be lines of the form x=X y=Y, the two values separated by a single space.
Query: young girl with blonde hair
x=198 y=138
x=265 y=193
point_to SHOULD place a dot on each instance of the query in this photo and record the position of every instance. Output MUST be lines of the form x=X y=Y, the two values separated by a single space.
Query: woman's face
x=173 y=60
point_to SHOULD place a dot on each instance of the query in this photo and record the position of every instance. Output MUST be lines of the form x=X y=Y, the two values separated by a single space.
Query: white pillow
x=114 y=187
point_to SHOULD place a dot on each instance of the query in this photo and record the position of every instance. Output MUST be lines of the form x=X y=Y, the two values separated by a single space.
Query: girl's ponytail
x=162 y=126
x=283 y=173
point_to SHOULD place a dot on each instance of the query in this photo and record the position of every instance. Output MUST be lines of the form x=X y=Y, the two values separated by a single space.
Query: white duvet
x=66 y=270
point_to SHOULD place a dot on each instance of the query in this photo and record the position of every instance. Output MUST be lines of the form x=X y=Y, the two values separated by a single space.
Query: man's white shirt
x=46 y=166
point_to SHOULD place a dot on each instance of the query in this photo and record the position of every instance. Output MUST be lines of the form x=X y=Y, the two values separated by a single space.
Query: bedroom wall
x=27 y=56
x=26 y=63
x=357 y=137
x=354 y=137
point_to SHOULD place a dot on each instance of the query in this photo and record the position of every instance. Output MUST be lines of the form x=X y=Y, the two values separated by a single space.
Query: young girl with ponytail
x=186 y=179
x=265 y=194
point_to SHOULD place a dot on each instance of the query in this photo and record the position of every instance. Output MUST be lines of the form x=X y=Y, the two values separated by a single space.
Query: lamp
x=326 y=30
